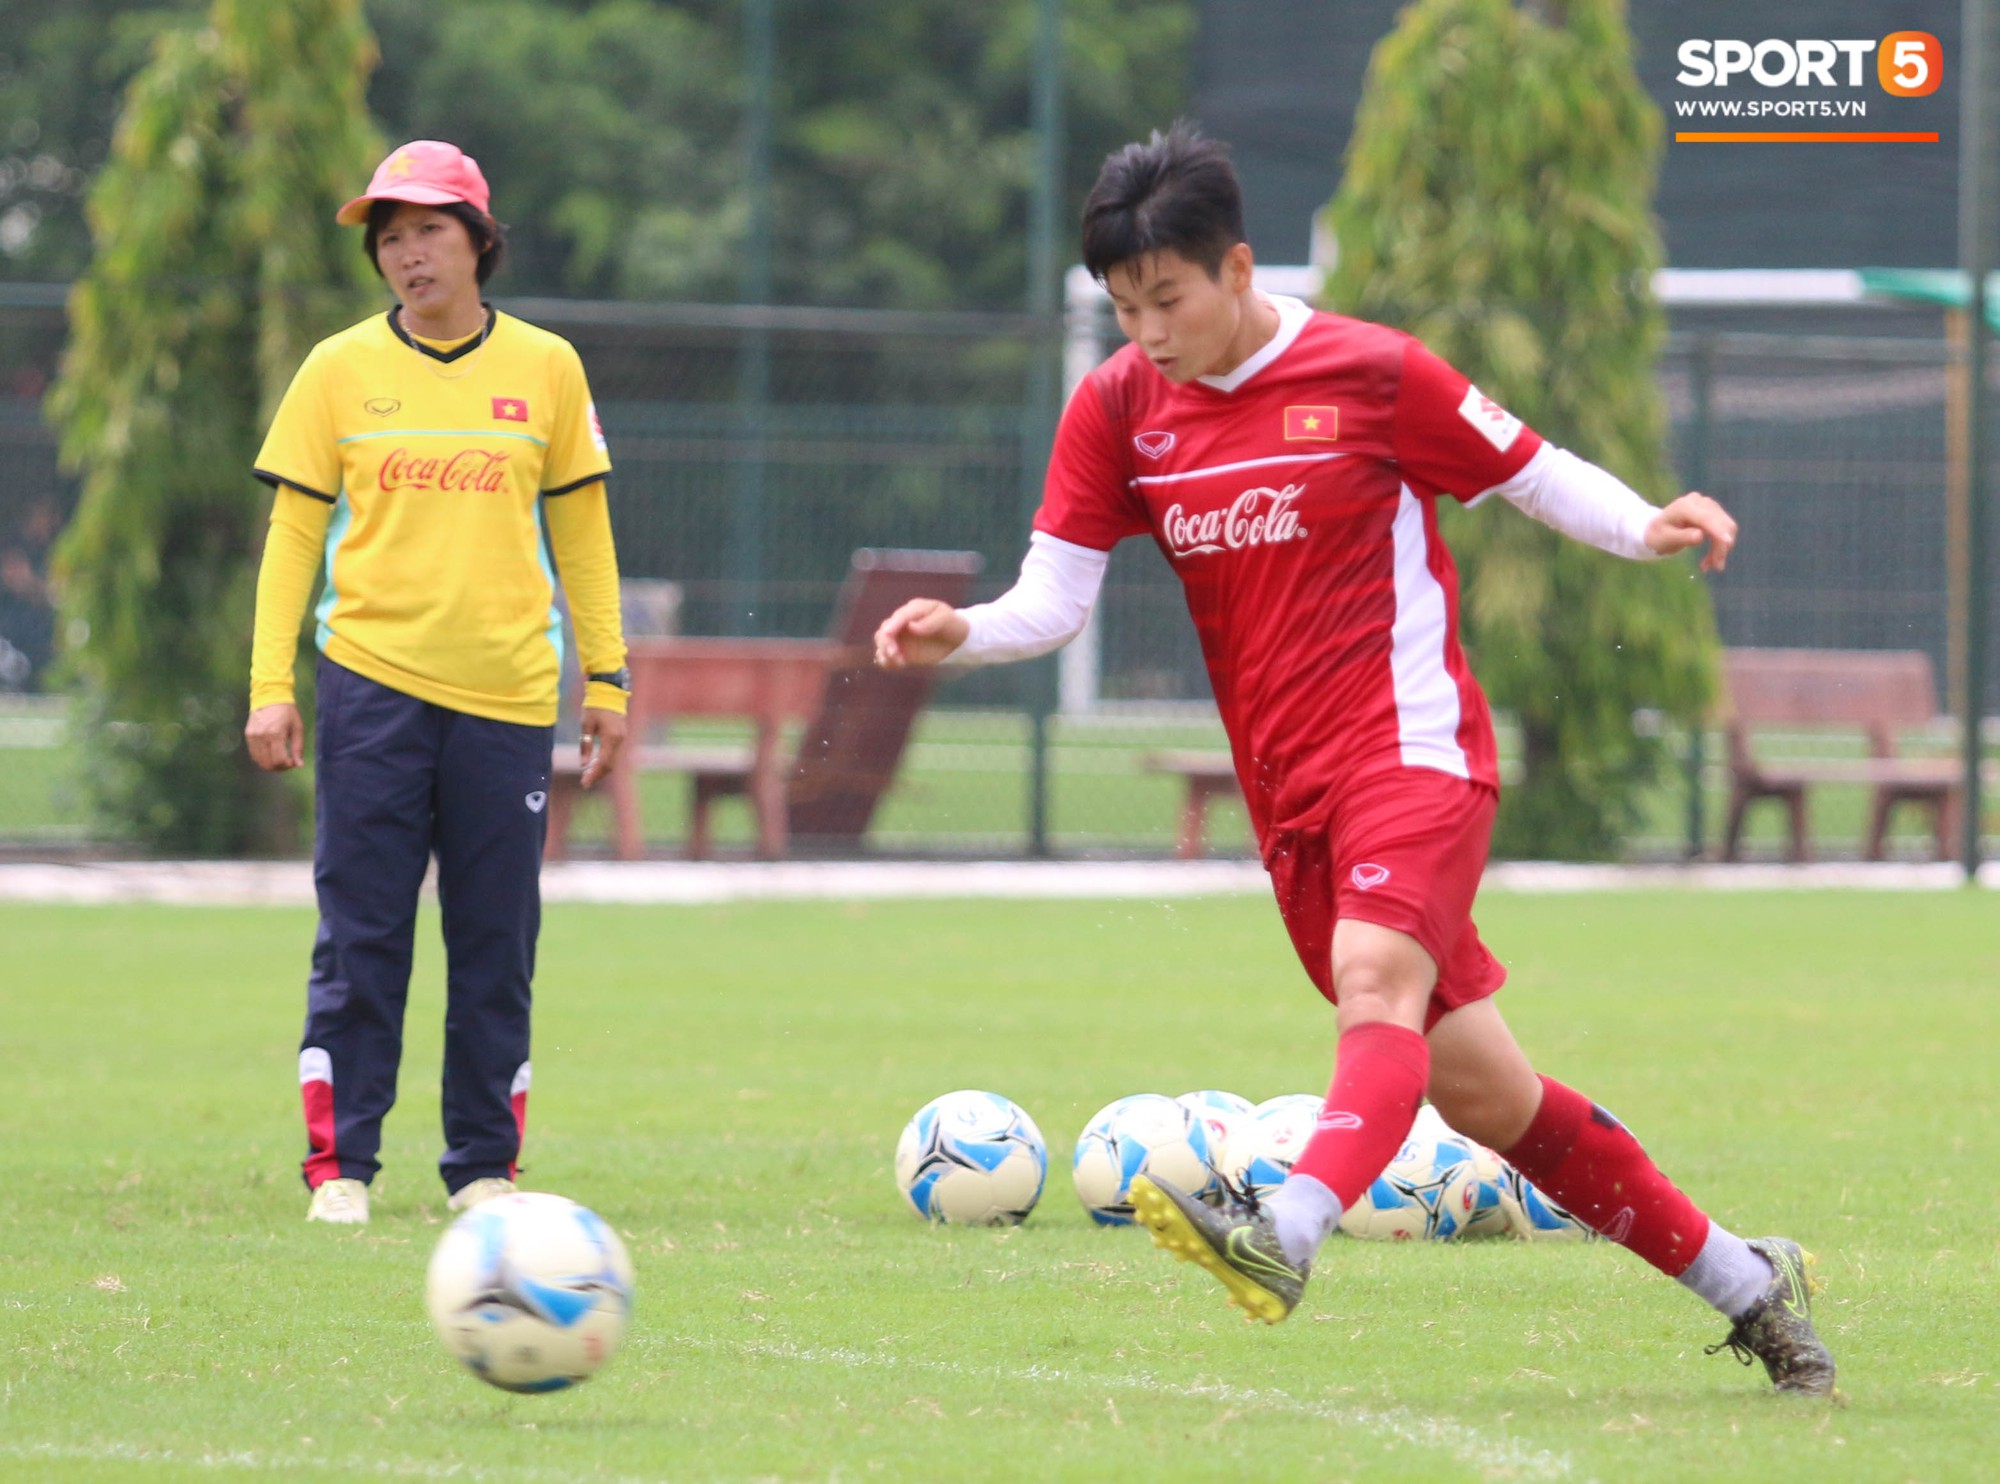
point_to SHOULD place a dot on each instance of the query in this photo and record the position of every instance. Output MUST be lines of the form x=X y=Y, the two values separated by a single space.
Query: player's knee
x=1374 y=987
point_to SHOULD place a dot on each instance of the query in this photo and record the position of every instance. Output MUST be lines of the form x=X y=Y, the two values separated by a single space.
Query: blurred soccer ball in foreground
x=1147 y=1133
x=972 y=1159
x=530 y=1292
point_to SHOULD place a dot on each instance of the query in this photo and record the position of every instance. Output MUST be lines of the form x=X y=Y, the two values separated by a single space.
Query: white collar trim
x=1292 y=317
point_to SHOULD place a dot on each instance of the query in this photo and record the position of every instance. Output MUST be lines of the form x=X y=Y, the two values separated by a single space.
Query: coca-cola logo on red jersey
x=470 y=470
x=1257 y=517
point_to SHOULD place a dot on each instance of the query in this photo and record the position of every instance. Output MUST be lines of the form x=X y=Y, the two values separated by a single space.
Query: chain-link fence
x=756 y=450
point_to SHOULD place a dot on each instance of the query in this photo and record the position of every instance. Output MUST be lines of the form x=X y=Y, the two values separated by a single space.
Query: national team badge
x=1153 y=445
x=1312 y=424
x=510 y=409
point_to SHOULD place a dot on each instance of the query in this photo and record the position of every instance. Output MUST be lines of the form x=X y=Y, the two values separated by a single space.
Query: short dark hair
x=489 y=238
x=1176 y=192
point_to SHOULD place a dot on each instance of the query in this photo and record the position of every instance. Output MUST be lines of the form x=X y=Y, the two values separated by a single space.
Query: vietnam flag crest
x=1313 y=424
x=510 y=409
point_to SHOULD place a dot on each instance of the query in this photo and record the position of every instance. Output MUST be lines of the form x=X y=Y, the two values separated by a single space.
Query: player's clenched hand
x=603 y=739
x=277 y=737
x=1689 y=521
x=921 y=632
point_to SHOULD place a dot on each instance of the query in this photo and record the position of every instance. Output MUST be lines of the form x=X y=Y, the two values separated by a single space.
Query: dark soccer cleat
x=1235 y=1241
x=1778 y=1328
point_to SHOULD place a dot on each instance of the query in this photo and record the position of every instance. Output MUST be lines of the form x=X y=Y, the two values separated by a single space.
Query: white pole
x=1079 y=666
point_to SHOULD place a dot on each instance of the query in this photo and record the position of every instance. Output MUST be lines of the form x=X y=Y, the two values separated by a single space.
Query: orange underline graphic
x=1805 y=139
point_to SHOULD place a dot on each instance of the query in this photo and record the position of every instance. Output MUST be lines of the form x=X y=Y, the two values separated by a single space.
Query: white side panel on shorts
x=1427 y=709
x=521 y=1080
x=315 y=1065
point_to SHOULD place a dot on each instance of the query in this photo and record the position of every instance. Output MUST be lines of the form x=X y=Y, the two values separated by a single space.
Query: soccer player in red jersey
x=1289 y=464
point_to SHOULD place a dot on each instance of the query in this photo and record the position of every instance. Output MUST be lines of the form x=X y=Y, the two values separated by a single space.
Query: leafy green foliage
x=217 y=266
x=901 y=153
x=63 y=65
x=1496 y=205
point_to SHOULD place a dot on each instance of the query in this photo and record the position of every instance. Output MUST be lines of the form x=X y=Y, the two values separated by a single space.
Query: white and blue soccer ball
x=1227 y=1117
x=1484 y=1212
x=1277 y=1134
x=1439 y=1186
x=1532 y=1216
x=1290 y=1102
x=530 y=1292
x=1147 y=1133
x=1393 y=1208
x=972 y=1158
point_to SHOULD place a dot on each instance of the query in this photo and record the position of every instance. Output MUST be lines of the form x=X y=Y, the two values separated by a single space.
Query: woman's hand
x=603 y=739
x=277 y=737
x=1689 y=521
x=921 y=632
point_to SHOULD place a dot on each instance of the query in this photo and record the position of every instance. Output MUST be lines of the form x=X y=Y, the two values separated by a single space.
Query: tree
x=217 y=265
x=901 y=153
x=63 y=64
x=1496 y=203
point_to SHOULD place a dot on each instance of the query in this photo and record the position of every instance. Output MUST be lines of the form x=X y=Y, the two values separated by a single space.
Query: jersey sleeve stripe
x=576 y=484
x=274 y=480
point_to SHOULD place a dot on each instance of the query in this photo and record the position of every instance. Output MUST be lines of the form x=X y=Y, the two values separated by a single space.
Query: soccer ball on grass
x=1147 y=1133
x=972 y=1159
x=1275 y=1136
x=1227 y=1118
x=531 y=1292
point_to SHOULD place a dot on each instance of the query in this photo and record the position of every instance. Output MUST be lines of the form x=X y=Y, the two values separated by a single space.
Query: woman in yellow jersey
x=440 y=464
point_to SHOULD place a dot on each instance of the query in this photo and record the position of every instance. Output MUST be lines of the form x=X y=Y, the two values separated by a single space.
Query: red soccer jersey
x=1296 y=500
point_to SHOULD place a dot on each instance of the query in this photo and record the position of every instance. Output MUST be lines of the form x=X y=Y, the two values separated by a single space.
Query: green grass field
x=726 y=1086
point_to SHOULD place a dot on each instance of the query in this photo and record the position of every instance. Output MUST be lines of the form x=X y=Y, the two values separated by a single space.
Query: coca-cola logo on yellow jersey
x=1257 y=517
x=470 y=470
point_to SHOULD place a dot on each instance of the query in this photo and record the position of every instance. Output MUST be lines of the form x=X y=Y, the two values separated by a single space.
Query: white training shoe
x=340 y=1203
x=468 y=1196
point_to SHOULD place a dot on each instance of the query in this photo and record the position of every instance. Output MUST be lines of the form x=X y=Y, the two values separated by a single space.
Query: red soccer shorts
x=1405 y=851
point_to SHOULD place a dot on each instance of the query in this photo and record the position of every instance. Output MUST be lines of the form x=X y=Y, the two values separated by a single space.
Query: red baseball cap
x=427 y=172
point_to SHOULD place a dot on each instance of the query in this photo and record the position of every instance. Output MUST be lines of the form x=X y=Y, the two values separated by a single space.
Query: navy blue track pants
x=401 y=779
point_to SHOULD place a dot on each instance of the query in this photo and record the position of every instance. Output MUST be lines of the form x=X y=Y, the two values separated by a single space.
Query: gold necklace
x=471 y=361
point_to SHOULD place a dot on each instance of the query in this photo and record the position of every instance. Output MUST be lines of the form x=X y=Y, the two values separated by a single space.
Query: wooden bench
x=1208 y=776
x=703 y=764
x=852 y=749
x=1877 y=692
x=857 y=719
x=771 y=683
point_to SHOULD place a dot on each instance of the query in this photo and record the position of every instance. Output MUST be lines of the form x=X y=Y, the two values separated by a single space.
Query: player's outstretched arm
x=921 y=632
x=1691 y=520
x=1592 y=505
x=1046 y=607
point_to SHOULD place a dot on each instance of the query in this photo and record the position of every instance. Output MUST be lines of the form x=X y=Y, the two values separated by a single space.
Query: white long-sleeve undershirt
x=1046 y=607
x=1051 y=601
x=1582 y=501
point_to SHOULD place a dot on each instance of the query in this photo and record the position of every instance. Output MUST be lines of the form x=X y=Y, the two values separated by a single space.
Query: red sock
x=1379 y=1073
x=1586 y=1160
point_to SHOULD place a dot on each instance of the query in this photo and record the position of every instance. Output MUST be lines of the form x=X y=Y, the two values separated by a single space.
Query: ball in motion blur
x=530 y=1292
x=972 y=1158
